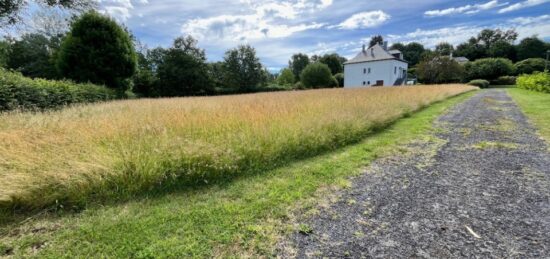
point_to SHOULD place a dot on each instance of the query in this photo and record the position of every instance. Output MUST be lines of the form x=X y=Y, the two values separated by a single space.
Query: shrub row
x=539 y=81
x=19 y=92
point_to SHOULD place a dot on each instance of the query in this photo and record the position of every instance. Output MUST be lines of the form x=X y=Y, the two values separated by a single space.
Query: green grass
x=536 y=106
x=243 y=217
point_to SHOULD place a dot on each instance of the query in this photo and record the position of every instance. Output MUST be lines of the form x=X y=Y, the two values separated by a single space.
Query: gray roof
x=461 y=59
x=374 y=53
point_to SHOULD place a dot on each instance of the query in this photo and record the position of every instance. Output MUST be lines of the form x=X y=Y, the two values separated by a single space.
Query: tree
x=243 y=68
x=531 y=47
x=315 y=58
x=398 y=46
x=502 y=49
x=488 y=37
x=437 y=69
x=286 y=77
x=144 y=78
x=216 y=73
x=32 y=55
x=471 y=50
x=444 y=48
x=489 y=68
x=378 y=39
x=317 y=75
x=10 y=9
x=530 y=65
x=334 y=62
x=182 y=70
x=98 y=50
x=340 y=78
x=4 y=52
x=297 y=63
x=413 y=53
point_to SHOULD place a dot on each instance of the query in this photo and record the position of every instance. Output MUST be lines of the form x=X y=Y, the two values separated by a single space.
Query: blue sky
x=279 y=28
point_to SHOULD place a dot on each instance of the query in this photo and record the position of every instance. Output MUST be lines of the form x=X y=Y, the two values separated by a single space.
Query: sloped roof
x=374 y=53
x=461 y=59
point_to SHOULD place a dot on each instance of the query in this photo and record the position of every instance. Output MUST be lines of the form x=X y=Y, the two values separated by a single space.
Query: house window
x=364 y=70
x=363 y=82
x=368 y=82
x=394 y=70
x=369 y=70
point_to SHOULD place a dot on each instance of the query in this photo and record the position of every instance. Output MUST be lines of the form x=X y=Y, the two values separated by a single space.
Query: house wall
x=354 y=75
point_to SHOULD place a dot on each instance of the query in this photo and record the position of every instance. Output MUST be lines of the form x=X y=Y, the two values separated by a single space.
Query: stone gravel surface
x=478 y=188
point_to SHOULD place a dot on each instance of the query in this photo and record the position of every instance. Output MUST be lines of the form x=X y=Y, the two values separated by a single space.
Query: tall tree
x=182 y=74
x=413 y=52
x=489 y=37
x=531 y=47
x=502 y=49
x=444 y=48
x=4 y=52
x=243 y=68
x=334 y=62
x=10 y=9
x=378 y=39
x=297 y=63
x=98 y=50
x=32 y=55
x=398 y=46
x=471 y=49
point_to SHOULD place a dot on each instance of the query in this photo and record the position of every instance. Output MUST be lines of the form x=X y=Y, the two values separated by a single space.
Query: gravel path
x=479 y=188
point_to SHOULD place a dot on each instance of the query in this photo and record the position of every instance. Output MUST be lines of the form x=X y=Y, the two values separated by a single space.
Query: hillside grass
x=121 y=149
x=240 y=218
x=536 y=105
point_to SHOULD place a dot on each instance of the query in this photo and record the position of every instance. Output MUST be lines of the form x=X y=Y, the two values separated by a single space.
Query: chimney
x=385 y=45
x=364 y=48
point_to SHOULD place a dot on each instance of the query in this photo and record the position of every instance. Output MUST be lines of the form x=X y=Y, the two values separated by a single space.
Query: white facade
x=371 y=73
x=376 y=66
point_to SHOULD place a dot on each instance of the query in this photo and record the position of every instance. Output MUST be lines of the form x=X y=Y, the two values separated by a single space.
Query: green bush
x=481 y=83
x=299 y=85
x=489 y=68
x=340 y=78
x=19 y=92
x=317 y=75
x=530 y=65
x=539 y=81
x=504 y=80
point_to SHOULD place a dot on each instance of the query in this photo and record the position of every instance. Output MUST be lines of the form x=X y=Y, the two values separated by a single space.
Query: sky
x=280 y=28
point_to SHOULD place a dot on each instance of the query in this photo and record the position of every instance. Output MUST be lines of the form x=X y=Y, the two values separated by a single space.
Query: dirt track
x=480 y=188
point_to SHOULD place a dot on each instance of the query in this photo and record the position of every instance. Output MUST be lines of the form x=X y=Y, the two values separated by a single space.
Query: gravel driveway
x=479 y=188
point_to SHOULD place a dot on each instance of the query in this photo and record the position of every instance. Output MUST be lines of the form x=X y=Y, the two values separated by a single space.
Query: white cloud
x=364 y=20
x=467 y=9
x=119 y=9
x=521 y=5
x=267 y=19
x=525 y=26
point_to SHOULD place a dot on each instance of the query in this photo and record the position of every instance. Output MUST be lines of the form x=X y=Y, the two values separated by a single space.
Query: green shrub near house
x=489 y=68
x=481 y=83
x=317 y=75
x=530 y=65
x=504 y=80
x=19 y=92
x=539 y=81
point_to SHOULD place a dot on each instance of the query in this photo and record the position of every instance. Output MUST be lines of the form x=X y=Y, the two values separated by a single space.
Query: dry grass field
x=122 y=148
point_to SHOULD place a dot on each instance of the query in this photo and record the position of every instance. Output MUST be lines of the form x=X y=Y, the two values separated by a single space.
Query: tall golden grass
x=126 y=147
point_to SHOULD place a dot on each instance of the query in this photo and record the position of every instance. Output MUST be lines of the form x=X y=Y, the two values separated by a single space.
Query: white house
x=376 y=66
